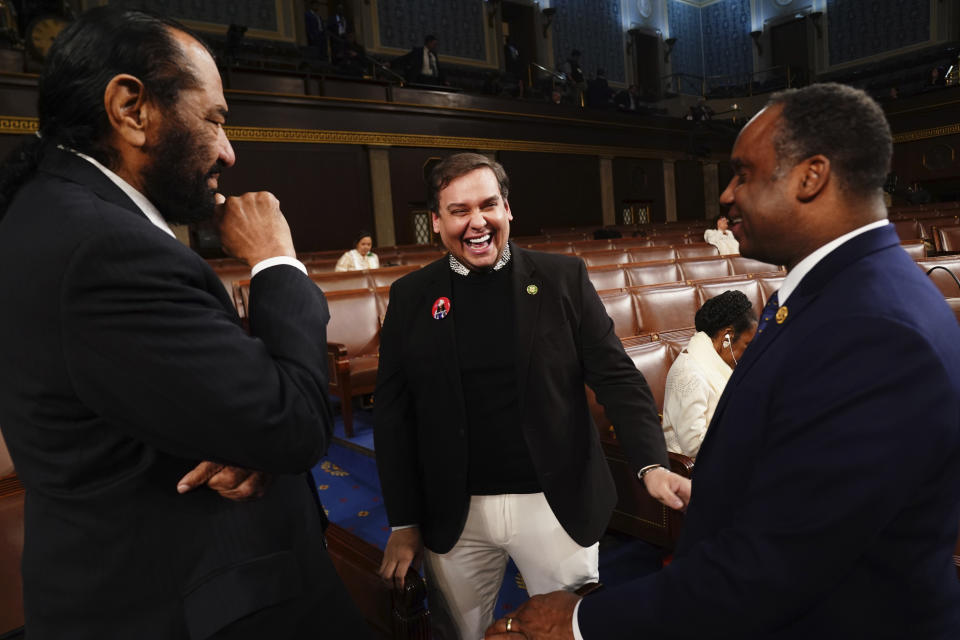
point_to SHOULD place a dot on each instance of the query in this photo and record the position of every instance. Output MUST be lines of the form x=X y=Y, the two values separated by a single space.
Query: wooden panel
x=689 y=186
x=409 y=187
x=552 y=190
x=639 y=179
x=322 y=189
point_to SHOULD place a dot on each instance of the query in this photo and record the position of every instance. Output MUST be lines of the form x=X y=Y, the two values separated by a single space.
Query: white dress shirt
x=153 y=215
x=793 y=278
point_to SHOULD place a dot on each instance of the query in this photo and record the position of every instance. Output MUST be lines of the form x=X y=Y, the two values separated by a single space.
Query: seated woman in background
x=360 y=257
x=721 y=237
x=725 y=326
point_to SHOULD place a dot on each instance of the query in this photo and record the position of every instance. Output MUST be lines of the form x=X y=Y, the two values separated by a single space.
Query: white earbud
x=726 y=343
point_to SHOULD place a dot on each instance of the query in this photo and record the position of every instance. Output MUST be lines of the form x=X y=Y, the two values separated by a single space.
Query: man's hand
x=252 y=227
x=404 y=548
x=669 y=488
x=546 y=617
x=232 y=483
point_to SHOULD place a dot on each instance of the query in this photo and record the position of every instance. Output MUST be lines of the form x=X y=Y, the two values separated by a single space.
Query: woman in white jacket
x=360 y=257
x=721 y=237
x=725 y=326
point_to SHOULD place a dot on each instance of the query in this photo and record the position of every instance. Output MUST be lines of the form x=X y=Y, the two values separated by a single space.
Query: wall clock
x=41 y=32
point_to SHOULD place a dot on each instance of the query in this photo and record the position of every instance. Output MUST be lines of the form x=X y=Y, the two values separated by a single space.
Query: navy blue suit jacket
x=827 y=492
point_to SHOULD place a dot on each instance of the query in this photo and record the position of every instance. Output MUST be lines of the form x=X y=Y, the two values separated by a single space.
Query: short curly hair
x=840 y=122
x=729 y=309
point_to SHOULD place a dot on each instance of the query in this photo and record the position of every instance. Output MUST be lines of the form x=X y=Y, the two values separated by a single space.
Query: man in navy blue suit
x=826 y=495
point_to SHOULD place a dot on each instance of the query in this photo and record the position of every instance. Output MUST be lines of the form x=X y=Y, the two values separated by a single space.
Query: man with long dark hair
x=133 y=404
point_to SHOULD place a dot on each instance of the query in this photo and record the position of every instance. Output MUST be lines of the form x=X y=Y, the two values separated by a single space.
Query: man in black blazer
x=484 y=441
x=827 y=491
x=420 y=64
x=126 y=380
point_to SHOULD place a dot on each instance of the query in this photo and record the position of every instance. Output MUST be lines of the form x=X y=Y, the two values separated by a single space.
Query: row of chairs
x=944 y=271
x=670 y=308
x=924 y=227
x=659 y=239
x=636 y=513
x=644 y=249
x=632 y=274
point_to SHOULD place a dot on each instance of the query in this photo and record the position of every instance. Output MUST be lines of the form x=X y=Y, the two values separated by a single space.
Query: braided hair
x=729 y=309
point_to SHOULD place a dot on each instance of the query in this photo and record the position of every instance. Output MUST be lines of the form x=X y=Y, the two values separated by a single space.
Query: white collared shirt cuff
x=403 y=526
x=576 y=625
x=651 y=467
x=272 y=262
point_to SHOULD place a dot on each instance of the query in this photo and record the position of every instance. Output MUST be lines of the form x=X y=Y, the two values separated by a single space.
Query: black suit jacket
x=826 y=495
x=122 y=365
x=410 y=64
x=564 y=339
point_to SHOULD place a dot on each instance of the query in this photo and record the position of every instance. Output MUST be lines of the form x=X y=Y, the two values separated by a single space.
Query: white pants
x=521 y=526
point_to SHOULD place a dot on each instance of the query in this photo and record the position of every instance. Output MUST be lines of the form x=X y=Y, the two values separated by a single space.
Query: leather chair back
x=703 y=268
x=599 y=258
x=666 y=307
x=651 y=254
x=769 y=284
x=354 y=321
x=650 y=273
x=386 y=276
x=553 y=247
x=741 y=265
x=341 y=281
x=630 y=243
x=607 y=277
x=653 y=359
x=592 y=245
x=621 y=308
x=948 y=238
x=943 y=280
x=916 y=249
x=697 y=250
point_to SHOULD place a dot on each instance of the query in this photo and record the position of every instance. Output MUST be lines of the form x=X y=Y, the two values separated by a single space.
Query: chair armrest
x=338 y=362
x=681 y=464
x=337 y=350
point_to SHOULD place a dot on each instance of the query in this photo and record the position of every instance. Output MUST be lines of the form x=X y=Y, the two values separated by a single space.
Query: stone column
x=670 y=190
x=607 y=200
x=711 y=190
x=383 y=219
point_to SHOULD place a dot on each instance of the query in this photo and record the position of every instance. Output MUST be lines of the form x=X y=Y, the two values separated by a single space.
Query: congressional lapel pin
x=782 y=314
x=440 y=308
x=532 y=289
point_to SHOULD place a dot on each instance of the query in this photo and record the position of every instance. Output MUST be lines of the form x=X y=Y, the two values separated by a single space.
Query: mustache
x=215 y=170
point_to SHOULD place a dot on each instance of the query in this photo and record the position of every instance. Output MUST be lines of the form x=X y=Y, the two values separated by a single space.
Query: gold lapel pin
x=532 y=289
x=782 y=314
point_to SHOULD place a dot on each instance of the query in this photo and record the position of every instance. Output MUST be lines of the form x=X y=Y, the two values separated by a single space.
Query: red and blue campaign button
x=441 y=308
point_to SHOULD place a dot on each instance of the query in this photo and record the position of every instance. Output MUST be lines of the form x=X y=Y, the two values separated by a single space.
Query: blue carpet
x=349 y=487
